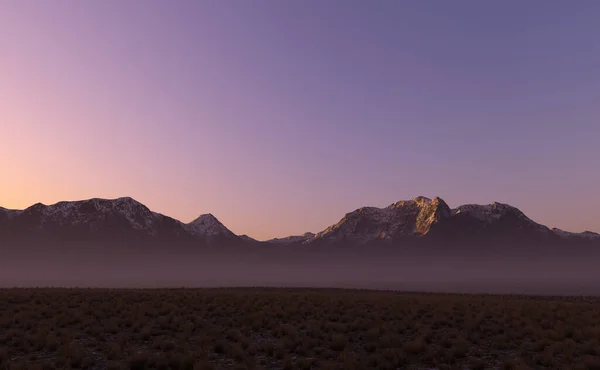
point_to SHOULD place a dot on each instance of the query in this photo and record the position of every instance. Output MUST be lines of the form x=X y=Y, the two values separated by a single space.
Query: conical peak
x=208 y=225
x=205 y=217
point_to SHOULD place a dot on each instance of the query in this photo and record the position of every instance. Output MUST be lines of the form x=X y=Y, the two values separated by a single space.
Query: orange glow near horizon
x=268 y=118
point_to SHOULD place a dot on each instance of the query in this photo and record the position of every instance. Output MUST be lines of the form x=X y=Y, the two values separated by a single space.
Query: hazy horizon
x=487 y=270
x=280 y=117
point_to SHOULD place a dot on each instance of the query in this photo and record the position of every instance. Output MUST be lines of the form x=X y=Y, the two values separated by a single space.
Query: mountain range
x=419 y=220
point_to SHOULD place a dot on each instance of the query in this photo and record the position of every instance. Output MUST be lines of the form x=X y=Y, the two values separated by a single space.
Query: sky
x=279 y=117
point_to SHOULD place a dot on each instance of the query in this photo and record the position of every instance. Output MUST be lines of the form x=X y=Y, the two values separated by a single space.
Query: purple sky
x=280 y=116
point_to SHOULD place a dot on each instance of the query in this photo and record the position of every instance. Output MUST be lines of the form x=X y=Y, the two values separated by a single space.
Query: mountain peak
x=421 y=199
x=208 y=225
x=93 y=211
x=488 y=212
x=402 y=221
x=122 y=218
x=433 y=218
x=205 y=217
x=431 y=213
x=36 y=206
x=404 y=218
x=122 y=201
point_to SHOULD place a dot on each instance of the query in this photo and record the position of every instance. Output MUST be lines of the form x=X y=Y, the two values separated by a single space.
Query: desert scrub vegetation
x=293 y=329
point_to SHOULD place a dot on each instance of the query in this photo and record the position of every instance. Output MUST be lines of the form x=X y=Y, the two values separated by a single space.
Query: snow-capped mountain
x=403 y=219
x=212 y=231
x=424 y=219
x=94 y=212
x=208 y=225
x=125 y=220
x=122 y=220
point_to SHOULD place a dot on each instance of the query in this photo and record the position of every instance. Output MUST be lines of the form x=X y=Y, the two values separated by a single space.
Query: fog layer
x=555 y=272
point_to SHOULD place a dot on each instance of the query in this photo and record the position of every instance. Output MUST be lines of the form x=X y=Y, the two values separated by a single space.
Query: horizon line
x=278 y=238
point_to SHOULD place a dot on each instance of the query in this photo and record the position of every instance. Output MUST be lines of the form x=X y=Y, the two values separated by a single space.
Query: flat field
x=255 y=328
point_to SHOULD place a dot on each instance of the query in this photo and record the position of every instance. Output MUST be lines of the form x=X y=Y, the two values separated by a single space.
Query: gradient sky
x=280 y=116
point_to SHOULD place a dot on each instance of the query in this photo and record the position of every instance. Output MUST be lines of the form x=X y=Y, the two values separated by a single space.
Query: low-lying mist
x=549 y=273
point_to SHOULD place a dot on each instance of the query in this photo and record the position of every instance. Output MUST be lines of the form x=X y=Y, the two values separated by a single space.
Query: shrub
x=460 y=349
x=318 y=328
x=546 y=359
x=479 y=364
x=219 y=347
x=414 y=347
x=3 y=354
x=114 y=352
x=138 y=361
x=591 y=362
x=338 y=342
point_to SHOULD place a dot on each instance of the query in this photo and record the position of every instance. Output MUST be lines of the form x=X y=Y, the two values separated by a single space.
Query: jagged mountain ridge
x=106 y=220
x=424 y=219
x=421 y=218
x=403 y=219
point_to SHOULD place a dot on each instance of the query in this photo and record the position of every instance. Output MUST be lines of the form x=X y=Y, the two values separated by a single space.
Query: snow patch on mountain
x=95 y=210
x=208 y=225
x=488 y=212
x=402 y=219
x=415 y=218
x=568 y=235
x=96 y=214
x=293 y=239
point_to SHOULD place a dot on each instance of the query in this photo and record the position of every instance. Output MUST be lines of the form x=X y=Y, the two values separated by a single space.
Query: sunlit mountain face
x=419 y=243
x=419 y=220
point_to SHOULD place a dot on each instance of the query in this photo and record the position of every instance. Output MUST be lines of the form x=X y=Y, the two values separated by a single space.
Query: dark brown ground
x=293 y=328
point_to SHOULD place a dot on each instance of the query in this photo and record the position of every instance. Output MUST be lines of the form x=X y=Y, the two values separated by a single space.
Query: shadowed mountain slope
x=406 y=222
x=106 y=221
x=421 y=220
